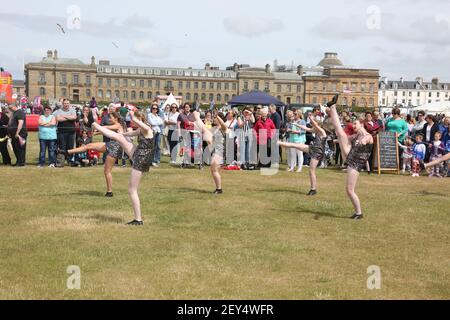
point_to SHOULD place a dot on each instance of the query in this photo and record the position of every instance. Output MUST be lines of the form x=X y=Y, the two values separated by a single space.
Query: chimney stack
x=435 y=81
x=235 y=67
x=419 y=80
x=49 y=54
x=92 y=61
x=267 y=68
x=55 y=54
x=300 y=70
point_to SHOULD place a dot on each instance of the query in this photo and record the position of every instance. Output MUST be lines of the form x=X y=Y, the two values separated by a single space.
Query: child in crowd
x=437 y=152
x=407 y=154
x=82 y=159
x=419 y=151
x=447 y=151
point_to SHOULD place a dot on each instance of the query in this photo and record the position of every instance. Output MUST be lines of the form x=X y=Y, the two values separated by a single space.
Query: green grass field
x=262 y=239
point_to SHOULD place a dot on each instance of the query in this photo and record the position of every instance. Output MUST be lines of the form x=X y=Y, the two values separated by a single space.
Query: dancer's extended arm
x=144 y=127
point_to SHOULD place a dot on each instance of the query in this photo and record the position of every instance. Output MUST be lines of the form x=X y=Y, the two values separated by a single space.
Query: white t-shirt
x=173 y=117
x=428 y=138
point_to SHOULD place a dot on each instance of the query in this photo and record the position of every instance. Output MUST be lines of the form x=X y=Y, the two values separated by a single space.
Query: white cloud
x=252 y=26
x=136 y=21
x=150 y=49
x=423 y=30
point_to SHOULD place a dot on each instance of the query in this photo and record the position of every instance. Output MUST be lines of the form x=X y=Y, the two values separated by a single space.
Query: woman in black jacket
x=4 y=119
x=428 y=131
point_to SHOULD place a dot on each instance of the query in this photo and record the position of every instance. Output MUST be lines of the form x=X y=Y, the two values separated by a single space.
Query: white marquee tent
x=435 y=108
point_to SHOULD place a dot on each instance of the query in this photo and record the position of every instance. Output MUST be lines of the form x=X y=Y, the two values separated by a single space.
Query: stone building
x=55 y=77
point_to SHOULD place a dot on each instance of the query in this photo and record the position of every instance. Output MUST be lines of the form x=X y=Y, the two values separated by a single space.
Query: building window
x=234 y=86
x=195 y=85
x=227 y=97
x=149 y=83
x=158 y=84
x=211 y=86
x=180 y=85
x=363 y=87
x=133 y=95
x=418 y=94
x=133 y=83
x=141 y=95
x=429 y=94
x=395 y=93
x=299 y=88
x=63 y=78
x=315 y=86
x=203 y=97
x=100 y=82
x=88 y=80
x=149 y=95
x=203 y=86
x=279 y=88
x=188 y=96
x=298 y=100
x=42 y=91
x=188 y=84
x=372 y=88
x=314 y=100
x=88 y=93
x=438 y=94
x=324 y=100
x=41 y=77
x=158 y=94
x=219 y=98
x=64 y=92
x=117 y=83
x=141 y=83
x=196 y=97
x=117 y=94
x=125 y=82
x=108 y=83
x=245 y=85
x=256 y=85
x=219 y=86
x=289 y=88
x=211 y=97
x=75 y=79
x=354 y=89
x=108 y=94
x=125 y=94
x=100 y=93
x=227 y=86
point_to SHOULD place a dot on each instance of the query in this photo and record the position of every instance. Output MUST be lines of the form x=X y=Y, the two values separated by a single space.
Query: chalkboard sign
x=386 y=149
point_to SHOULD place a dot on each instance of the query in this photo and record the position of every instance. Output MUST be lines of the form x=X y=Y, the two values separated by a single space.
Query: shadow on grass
x=427 y=193
x=297 y=192
x=317 y=214
x=100 y=218
x=193 y=190
x=89 y=193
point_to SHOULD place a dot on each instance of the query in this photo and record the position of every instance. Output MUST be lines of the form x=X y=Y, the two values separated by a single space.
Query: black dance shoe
x=135 y=223
x=109 y=195
x=312 y=193
x=333 y=102
x=357 y=217
x=218 y=191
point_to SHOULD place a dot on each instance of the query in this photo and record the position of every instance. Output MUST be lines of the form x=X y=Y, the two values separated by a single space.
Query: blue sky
x=406 y=38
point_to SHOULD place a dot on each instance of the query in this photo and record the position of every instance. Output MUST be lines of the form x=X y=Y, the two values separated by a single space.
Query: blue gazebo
x=255 y=98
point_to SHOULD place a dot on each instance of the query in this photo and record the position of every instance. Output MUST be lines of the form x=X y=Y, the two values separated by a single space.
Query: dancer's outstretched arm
x=143 y=126
x=318 y=129
x=223 y=126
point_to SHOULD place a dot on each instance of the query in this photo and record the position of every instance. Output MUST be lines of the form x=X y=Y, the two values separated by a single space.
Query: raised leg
x=344 y=143
x=299 y=146
x=126 y=145
x=206 y=134
x=97 y=146
x=438 y=161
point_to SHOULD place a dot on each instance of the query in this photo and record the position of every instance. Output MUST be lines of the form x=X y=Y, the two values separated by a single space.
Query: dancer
x=141 y=155
x=111 y=148
x=356 y=150
x=216 y=140
x=316 y=150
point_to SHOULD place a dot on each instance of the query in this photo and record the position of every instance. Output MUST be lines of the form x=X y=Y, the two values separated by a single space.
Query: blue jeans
x=45 y=145
x=157 y=158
